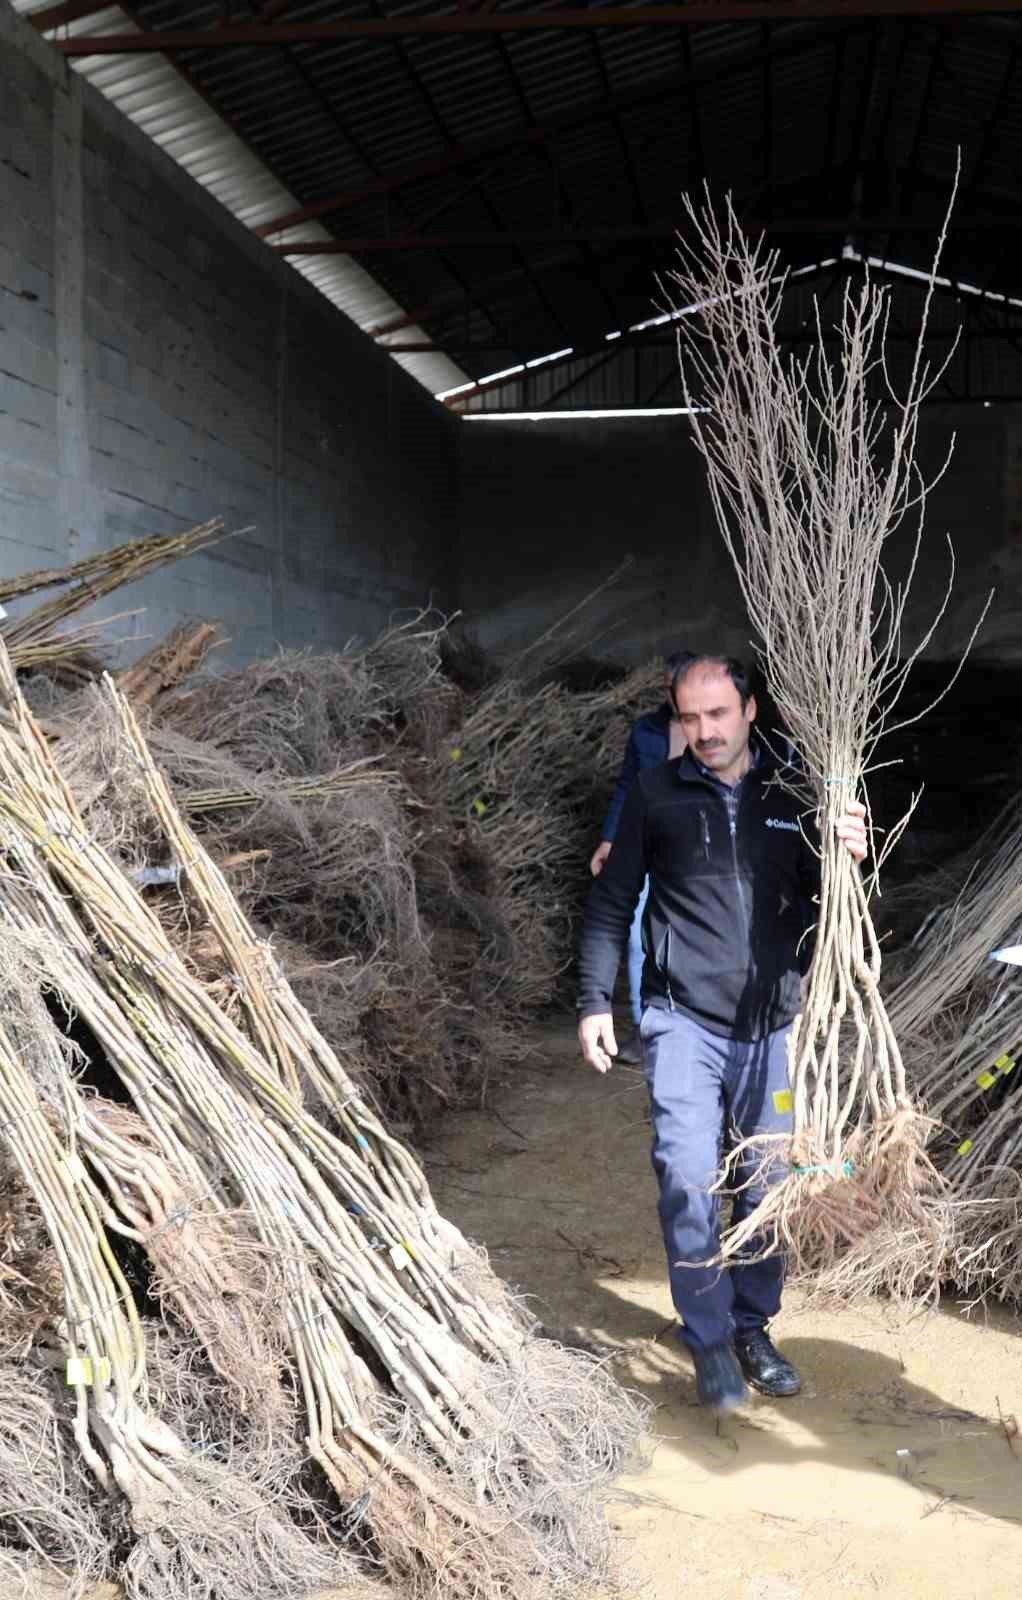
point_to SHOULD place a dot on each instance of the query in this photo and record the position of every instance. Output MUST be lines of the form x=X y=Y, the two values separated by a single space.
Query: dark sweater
x=730 y=905
x=649 y=743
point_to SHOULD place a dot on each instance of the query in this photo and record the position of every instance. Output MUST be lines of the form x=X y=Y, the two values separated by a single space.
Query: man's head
x=716 y=710
x=672 y=666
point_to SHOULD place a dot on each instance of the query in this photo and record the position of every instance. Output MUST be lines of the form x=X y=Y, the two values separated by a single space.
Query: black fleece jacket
x=726 y=928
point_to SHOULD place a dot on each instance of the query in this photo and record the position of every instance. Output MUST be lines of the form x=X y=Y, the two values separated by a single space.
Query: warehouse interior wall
x=159 y=366
x=550 y=509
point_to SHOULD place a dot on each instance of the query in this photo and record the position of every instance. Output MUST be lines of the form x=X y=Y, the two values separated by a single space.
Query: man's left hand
x=851 y=830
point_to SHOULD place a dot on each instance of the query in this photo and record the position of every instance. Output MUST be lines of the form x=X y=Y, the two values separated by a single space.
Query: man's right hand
x=600 y=855
x=596 y=1038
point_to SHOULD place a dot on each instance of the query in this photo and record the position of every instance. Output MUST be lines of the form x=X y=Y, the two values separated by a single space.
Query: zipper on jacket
x=732 y=823
x=706 y=833
x=667 y=970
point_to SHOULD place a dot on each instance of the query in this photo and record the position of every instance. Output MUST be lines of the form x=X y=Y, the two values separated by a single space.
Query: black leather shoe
x=719 y=1381
x=764 y=1366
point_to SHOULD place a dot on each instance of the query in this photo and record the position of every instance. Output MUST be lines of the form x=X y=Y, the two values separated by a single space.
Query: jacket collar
x=764 y=765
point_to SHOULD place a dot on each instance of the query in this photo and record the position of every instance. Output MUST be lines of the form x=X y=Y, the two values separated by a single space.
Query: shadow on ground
x=898 y=1465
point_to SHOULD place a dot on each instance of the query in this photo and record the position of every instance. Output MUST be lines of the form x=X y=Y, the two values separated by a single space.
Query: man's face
x=712 y=718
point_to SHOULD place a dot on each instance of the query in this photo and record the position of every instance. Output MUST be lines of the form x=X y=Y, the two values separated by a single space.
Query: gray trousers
x=705 y=1093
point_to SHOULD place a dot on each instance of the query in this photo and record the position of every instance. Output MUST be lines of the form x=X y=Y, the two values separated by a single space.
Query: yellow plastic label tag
x=456 y=754
x=1004 y=1061
x=986 y=1080
x=1009 y=1066
x=783 y=1100
x=479 y=807
x=965 y=1147
x=81 y=1369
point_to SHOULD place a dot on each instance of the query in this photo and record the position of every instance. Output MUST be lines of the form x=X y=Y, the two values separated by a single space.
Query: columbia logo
x=776 y=822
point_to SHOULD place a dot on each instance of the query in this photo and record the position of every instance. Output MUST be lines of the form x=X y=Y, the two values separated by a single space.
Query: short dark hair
x=730 y=666
x=676 y=660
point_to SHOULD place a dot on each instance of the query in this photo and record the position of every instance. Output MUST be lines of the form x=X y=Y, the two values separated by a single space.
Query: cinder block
x=126 y=518
x=182 y=372
x=28 y=513
x=27 y=443
x=22 y=281
x=24 y=317
x=26 y=361
x=127 y=479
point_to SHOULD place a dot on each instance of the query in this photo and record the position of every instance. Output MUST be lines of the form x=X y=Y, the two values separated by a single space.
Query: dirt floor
x=897 y=1471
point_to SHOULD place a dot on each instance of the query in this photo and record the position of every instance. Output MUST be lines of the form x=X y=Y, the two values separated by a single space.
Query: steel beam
x=447 y=304
x=992 y=126
x=992 y=399
x=69 y=11
x=922 y=116
x=693 y=76
x=585 y=351
x=602 y=354
x=454 y=157
x=414 y=77
x=495 y=240
x=260 y=35
x=368 y=244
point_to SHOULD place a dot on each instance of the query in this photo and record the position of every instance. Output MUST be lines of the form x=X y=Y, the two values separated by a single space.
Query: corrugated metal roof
x=148 y=90
x=564 y=132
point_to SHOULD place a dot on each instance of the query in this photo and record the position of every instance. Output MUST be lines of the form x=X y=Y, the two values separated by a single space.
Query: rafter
x=991 y=127
x=419 y=88
x=566 y=208
x=829 y=150
x=602 y=355
x=867 y=112
x=583 y=349
x=899 y=37
x=1005 y=334
x=667 y=341
x=530 y=133
x=693 y=81
x=512 y=239
x=303 y=66
x=259 y=35
x=932 y=70
x=59 y=16
x=447 y=304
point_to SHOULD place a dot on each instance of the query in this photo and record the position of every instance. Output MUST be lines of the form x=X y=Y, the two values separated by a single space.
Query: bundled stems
x=810 y=475
x=372 y=1298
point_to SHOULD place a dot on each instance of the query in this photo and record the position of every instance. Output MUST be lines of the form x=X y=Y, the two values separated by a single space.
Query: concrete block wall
x=158 y=366
x=550 y=509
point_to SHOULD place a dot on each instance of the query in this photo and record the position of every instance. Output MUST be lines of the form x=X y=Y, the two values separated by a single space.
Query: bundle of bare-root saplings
x=955 y=997
x=244 y=1356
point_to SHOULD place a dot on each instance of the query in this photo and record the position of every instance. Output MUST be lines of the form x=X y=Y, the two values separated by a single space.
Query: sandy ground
x=892 y=1473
